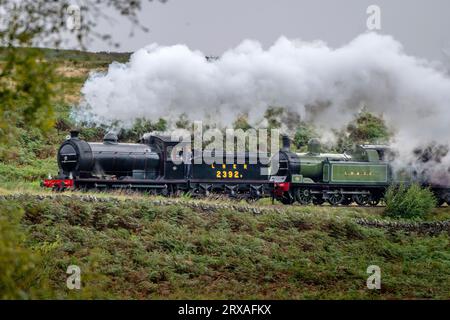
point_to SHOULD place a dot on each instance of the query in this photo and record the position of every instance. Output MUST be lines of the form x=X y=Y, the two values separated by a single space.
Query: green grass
x=134 y=249
x=31 y=173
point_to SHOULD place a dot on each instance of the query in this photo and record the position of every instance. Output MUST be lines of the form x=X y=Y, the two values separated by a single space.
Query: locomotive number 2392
x=228 y=174
x=223 y=174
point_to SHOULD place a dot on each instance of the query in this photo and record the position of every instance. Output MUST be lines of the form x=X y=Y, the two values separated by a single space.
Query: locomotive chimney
x=74 y=134
x=285 y=143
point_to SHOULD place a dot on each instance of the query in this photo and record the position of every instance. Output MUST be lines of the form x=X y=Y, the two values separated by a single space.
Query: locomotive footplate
x=128 y=183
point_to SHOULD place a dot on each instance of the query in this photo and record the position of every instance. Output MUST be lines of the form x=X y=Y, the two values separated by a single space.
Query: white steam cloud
x=322 y=84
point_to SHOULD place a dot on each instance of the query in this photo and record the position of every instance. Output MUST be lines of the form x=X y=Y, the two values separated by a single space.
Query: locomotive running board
x=231 y=181
x=126 y=182
x=140 y=186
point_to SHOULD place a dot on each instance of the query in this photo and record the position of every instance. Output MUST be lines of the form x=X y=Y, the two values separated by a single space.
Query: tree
x=368 y=128
x=305 y=132
x=365 y=128
x=183 y=122
x=26 y=91
x=241 y=122
x=141 y=126
x=273 y=117
x=47 y=22
x=27 y=80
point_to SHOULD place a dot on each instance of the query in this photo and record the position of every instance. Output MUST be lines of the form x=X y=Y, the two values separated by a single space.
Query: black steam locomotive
x=157 y=164
x=151 y=165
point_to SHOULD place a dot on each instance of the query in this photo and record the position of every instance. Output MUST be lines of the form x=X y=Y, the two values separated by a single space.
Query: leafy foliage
x=36 y=170
x=368 y=128
x=95 y=132
x=29 y=22
x=241 y=122
x=365 y=128
x=304 y=133
x=273 y=115
x=140 y=127
x=20 y=275
x=409 y=202
x=26 y=90
x=183 y=122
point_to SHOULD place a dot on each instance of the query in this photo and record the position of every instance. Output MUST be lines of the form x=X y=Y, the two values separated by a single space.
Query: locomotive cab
x=171 y=164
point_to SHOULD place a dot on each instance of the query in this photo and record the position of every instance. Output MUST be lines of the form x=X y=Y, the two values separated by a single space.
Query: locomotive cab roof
x=370 y=152
x=375 y=146
x=159 y=142
x=155 y=139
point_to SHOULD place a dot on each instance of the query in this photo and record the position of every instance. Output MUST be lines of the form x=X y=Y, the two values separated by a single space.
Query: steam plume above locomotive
x=324 y=85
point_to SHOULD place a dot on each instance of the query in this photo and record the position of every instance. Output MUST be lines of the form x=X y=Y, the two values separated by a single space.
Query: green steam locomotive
x=315 y=177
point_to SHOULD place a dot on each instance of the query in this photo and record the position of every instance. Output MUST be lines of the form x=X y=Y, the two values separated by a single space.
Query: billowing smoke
x=321 y=84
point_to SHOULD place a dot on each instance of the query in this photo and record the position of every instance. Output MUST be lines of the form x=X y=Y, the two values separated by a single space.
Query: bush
x=409 y=202
x=40 y=169
x=21 y=272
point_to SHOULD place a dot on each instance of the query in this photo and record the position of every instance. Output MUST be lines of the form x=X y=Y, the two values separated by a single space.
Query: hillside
x=68 y=56
x=136 y=246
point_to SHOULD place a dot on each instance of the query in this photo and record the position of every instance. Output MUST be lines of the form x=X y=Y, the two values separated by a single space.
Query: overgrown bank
x=129 y=248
